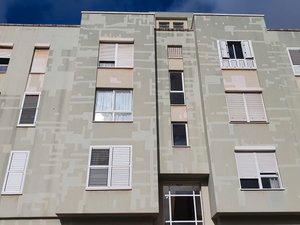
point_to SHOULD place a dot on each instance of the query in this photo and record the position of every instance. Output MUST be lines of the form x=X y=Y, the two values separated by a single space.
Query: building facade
x=150 y=118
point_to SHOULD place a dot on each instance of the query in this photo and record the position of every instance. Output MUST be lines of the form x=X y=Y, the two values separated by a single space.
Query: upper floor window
x=294 y=54
x=236 y=55
x=177 y=88
x=180 y=134
x=5 y=53
x=113 y=105
x=15 y=173
x=109 y=168
x=164 y=25
x=116 y=55
x=39 y=61
x=178 y=25
x=246 y=107
x=174 y=52
x=258 y=170
x=182 y=205
x=29 y=109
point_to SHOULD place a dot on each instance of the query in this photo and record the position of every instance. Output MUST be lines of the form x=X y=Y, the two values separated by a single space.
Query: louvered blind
x=236 y=107
x=29 y=108
x=15 y=173
x=174 y=52
x=125 y=55
x=121 y=160
x=5 y=52
x=39 y=62
x=107 y=52
x=246 y=165
x=267 y=162
x=255 y=107
x=224 y=49
x=246 y=49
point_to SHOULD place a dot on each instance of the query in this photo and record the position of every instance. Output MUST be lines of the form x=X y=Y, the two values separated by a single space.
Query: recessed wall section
x=238 y=80
x=115 y=78
x=35 y=83
x=175 y=64
x=178 y=113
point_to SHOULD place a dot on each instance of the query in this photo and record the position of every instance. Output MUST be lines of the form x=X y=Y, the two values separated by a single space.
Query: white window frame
x=36 y=112
x=290 y=58
x=193 y=195
x=113 y=103
x=186 y=134
x=182 y=82
x=108 y=187
x=237 y=68
x=116 y=55
x=246 y=108
x=259 y=176
x=7 y=172
x=7 y=65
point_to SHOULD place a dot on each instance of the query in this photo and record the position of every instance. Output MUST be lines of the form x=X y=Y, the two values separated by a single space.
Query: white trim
x=6 y=174
x=108 y=187
x=186 y=134
x=116 y=39
x=255 y=148
x=36 y=112
x=42 y=46
x=6 y=45
x=290 y=58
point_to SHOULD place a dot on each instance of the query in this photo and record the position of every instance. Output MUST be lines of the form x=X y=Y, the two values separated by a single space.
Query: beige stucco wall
x=115 y=78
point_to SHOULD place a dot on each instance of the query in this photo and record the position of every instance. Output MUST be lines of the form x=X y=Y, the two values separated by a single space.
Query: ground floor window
x=182 y=205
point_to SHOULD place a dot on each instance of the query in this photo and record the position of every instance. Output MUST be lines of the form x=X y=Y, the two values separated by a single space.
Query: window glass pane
x=198 y=208
x=176 y=81
x=107 y=64
x=238 y=50
x=4 y=61
x=249 y=183
x=295 y=56
x=100 y=157
x=166 y=208
x=30 y=101
x=104 y=101
x=123 y=101
x=182 y=208
x=3 y=68
x=231 y=50
x=178 y=25
x=164 y=25
x=27 y=116
x=98 y=177
x=270 y=182
x=179 y=134
x=176 y=98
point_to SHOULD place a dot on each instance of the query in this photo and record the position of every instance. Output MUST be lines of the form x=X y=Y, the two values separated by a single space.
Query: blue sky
x=279 y=13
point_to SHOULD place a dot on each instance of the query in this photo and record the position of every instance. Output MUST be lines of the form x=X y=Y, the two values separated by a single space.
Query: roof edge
x=116 y=12
x=228 y=14
x=38 y=25
x=283 y=29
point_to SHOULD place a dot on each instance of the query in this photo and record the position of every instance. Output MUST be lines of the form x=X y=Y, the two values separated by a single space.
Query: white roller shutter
x=224 y=49
x=247 y=50
x=107 y=52
x=246 y=165
x=39 y=62
x=236 y=107
x=125 y=55
x=121 y=167
x=5 y=52
x=255 y=107
x=267 y=162
x=15 y=173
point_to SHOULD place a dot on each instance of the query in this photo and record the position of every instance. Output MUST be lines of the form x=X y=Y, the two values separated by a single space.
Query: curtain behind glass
x=123 y=101
x=104 y=101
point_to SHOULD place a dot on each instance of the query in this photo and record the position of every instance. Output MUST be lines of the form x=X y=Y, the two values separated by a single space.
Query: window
x=176 y=87
x=236 y=54
x=116 y=55
x=294 y=54
x=113 y=105
x=180 y=134
x=258 y=170
x=164 y=25
x=182 y=205
x=178 y=26
x=109 y=168
x=246 y=107
x=29 y=109
x=39 y=61
x=15 y=173
x=174 y=52
x=5 y=53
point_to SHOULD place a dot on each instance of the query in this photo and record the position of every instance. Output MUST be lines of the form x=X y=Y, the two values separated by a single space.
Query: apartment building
x=150 y=118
